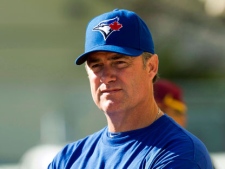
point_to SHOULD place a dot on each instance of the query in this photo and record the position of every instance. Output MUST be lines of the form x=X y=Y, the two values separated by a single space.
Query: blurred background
x=45 y=100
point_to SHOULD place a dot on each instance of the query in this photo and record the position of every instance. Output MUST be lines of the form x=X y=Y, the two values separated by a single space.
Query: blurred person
x=169 y=98
x=122 y=66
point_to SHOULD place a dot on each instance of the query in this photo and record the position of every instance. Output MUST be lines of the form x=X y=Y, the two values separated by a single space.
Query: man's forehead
x=95 y=56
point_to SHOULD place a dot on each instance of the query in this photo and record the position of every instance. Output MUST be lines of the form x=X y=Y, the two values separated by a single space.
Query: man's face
x=118 y=83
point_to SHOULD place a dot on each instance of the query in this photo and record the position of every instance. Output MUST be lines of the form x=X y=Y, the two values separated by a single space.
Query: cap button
x=116 y=9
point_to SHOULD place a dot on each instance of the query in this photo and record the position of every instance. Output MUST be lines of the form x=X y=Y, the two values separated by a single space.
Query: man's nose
x=108 y=75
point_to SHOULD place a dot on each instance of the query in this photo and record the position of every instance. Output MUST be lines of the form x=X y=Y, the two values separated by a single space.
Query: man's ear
x=152 y=65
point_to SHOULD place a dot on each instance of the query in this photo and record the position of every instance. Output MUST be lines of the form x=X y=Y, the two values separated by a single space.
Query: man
x=121 y=65
x=169 y=98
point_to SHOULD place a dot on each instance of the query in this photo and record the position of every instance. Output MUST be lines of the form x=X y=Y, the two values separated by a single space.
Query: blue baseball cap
x=120 y=31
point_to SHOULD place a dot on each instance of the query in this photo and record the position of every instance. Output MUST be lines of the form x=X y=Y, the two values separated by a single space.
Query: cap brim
x=109 y=48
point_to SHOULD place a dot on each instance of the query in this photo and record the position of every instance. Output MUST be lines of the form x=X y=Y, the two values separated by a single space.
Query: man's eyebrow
x=93 y=60
x=118 y=56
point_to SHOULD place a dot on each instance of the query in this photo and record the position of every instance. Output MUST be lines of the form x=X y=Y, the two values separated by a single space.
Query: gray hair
x=145 y=57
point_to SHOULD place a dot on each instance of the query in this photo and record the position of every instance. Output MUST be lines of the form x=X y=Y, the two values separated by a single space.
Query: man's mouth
x=110 y=90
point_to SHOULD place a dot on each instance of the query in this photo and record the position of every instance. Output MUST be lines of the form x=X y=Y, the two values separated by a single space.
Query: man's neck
x=121 y=122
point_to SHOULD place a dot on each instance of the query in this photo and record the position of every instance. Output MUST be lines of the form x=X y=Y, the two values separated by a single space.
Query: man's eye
x=96 y=67
x=121 y=64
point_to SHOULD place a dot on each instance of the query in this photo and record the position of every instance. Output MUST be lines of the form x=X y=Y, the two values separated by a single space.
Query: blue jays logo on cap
x=107 y=27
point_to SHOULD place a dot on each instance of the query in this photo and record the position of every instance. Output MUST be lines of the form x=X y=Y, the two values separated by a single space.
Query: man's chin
x=110 y=106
